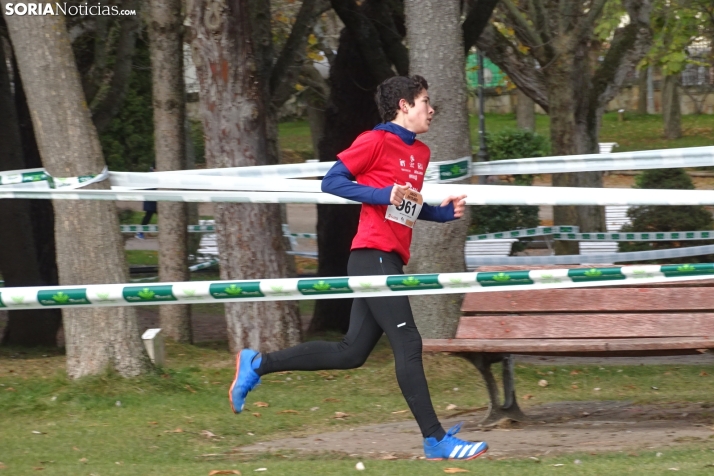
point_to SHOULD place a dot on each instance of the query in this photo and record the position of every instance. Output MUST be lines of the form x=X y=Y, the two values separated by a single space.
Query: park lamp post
x=482 y=155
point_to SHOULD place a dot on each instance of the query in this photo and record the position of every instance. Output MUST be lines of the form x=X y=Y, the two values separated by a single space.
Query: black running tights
x=370 y=317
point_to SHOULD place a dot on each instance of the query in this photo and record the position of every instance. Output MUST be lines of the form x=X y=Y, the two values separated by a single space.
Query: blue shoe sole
x=235 y=381
x=460 y=459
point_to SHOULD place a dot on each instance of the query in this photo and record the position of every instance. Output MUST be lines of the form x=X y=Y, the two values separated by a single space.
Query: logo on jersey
x=411 y=161
x=402 y=162
x=420 y=166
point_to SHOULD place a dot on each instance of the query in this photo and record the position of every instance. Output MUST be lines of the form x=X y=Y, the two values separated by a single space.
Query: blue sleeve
x=437 y=214
x=339 y=181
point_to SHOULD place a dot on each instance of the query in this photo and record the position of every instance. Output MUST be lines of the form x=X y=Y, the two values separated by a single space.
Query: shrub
x=666 y=218
x=503 y=145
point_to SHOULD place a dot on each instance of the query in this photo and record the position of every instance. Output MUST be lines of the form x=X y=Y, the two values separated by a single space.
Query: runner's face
x=418 y=117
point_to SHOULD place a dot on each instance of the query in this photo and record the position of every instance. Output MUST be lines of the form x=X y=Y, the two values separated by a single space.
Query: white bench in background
x=615 y=218
x=499 y=247
x=209 y=246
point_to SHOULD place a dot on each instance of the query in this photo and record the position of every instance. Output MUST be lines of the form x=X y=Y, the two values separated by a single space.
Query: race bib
x=408 y=211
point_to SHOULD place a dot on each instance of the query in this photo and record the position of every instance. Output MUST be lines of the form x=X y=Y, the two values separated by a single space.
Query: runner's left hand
x=459 y=204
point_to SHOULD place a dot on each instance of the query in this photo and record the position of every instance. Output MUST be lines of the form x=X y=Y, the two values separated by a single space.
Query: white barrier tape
x=22 y=176
x=194 y=292
x=570 y=233
x=640 y=236
x=525 y=233
x=432 y=193
x=448 y=170
x=640 y=160
x=132 y=180
x=39 y=179
x=603 y=258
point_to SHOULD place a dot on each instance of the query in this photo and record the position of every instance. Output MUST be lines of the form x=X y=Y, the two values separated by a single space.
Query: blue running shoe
x=139 y=236
x=451 y=447
x=245 y=381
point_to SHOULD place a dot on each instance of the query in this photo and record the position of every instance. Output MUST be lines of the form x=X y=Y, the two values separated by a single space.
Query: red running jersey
x=380 y=159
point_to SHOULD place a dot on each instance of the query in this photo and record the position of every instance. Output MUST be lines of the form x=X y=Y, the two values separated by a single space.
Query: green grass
x=637 y=132
x=156 y=429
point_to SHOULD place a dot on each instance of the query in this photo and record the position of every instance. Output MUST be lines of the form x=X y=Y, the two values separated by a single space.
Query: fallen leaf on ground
x=83 y=460
x=153 y=423
x=341 y=415
x=38 y=468
x=333 y=400
x=575 y=372
x=10 y=389
x=257 y=415
x=388 y=457
x=261 y=469
x=542 y=383
x=402 y=411
x=703 y=374
x=35 y=432
x=289 y=411
x=528 y=396
x=188 y=387
x=451 y=406
x=177 y=430
x=2 y=466
x=574 y=387
x=261 y=404
x=455 y=470
x=223 y=471
x=558 y=465
x=208 y=434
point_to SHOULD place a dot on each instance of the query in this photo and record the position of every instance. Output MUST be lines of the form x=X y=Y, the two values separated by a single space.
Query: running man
x=388 y=164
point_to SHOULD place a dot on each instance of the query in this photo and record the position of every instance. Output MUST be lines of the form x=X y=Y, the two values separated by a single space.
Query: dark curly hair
x=392 y=90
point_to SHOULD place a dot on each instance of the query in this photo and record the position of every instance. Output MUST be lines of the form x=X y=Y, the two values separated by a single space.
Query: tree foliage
x=504 y=145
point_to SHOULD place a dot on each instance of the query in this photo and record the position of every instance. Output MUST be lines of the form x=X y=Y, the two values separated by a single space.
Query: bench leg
x=496 y=411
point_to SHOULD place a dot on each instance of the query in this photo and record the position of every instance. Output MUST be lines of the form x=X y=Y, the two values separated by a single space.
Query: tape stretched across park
x=192 y=292
x=603 y=258
x=570 y=233
x=639 y=160
x=432 y=194
x=196 y=229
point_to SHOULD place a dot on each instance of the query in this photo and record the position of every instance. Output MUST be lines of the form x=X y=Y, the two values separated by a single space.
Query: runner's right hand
x=398 y=192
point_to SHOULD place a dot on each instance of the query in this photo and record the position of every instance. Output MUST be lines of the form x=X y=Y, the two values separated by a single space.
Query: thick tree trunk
x=642 y=92
x=436 y=52
x=525 y=111
x=19 y=263
x=87 y=232
x=165 y=35
x=671 y=108
x=234 y=110
x=350 y=111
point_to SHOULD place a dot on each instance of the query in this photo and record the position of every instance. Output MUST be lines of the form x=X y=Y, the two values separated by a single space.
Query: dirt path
x=554 y=428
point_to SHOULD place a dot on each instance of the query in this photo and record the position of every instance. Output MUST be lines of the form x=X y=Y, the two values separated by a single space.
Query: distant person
x=388 y=164
x=150 y=208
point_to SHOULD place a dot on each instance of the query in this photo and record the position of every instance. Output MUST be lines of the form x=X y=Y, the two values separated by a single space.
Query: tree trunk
x=87 y=232
x=436 y=52
x=350 y=111
x=165 y=35
x=234 y=111
x=193 y=241
x=642 y=92
x=525 y=112
x=19 y=263
x=573 y=130
x=671 y=108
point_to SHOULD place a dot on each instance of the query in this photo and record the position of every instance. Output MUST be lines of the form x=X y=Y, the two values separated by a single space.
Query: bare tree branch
x=540 y=18
x=292 y=56
x=476 y=20
x=366 y=36
x=528 y=79
x=523 y=29
x=108 y=107
x=629 y=45
x=585 y=26
x=390 y=37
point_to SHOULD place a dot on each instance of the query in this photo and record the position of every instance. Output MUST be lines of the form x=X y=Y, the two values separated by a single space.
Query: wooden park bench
x=656 y=319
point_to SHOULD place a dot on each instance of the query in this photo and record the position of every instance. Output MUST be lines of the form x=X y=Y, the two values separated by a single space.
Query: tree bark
x=235 y=109
x=436 y=52
x=671 y=107
x=525 y=111
x=642 y=92
x=19 y=262
x=87 y=232
x=350 y=111
x=166 y=43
